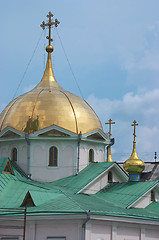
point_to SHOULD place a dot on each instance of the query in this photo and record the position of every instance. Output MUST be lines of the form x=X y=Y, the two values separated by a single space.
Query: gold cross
x=134 y=125
x=49 y=24
x=110 y=123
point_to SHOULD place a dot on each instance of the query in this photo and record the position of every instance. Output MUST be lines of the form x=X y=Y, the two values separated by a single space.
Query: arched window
x=110 y=177
x=53 y=155
x=152 y=196
x=91 y=155
x=14 y=154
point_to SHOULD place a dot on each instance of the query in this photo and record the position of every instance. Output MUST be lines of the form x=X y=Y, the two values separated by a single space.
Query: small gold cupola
x=134 y=165
x=109 y=156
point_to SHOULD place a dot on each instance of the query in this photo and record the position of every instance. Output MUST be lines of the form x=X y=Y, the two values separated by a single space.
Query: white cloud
x=146 y=57
x=143 y=107
x=141 y=60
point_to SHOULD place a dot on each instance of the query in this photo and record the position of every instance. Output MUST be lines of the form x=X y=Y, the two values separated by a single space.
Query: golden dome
x=47 y=104
x=134 y=164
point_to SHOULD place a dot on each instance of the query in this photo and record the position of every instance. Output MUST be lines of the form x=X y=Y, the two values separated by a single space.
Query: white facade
x=33 y=152
x=69 y=228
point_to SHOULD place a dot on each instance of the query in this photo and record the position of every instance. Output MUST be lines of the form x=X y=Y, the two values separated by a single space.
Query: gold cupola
x=49 y=104
x=134 y=165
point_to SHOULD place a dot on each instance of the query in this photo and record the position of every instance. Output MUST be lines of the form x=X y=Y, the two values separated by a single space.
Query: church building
x=55 y=181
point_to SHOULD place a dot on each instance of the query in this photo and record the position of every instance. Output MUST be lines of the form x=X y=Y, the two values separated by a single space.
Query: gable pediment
x=101 y=181
x=145 y=199
x=97 y=134
x=28 y=201
x=9 y=132
x=8 y=168
x=54 y=133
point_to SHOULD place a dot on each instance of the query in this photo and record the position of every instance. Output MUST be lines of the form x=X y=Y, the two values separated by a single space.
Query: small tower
x=134 y=165
x=109 y=156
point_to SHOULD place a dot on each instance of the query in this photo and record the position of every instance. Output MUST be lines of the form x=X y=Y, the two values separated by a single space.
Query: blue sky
x=113 y=48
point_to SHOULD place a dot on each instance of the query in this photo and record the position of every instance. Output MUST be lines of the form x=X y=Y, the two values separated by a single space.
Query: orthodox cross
x=49 y=24
x=110 y=123
x=134 y=125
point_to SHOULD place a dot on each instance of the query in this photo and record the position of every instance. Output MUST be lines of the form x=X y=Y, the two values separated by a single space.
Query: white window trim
x=58 y=152
x=93 y=155
x=17 y=153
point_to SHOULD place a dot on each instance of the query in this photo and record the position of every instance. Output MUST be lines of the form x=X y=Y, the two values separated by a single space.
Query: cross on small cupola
x=134 y=165
x=109 y=156
x=134 y=125
x=110 y=124
x=49 y=25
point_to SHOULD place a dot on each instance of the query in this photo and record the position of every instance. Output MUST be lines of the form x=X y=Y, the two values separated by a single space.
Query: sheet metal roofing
x=76 y=183
x=124 y=194
x=60 y=197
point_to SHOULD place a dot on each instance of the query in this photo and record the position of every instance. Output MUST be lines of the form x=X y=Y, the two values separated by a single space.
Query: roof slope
x=153 y=207
x=60 y=197
x=3 y=162
x=124 y=194
x=75 y=183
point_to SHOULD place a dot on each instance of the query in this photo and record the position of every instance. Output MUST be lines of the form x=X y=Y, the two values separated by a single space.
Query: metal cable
x=27 y=66
x=69 y=64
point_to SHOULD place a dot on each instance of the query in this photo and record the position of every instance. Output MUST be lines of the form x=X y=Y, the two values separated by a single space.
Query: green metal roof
x=3 y=162
x=76 y=183
x=153 y=207
x=81 y=203
x=124 y=194
x=60 y=197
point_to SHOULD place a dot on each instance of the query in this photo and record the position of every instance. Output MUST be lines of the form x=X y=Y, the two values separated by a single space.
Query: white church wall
x=4 y=150
x=101 y=182
x=99 y=153
x=21 y=146
x=144 y=201
x=116 y=177
x=66 y=229
x=128 y=233
x=22 y=157
x=100 y=231
x=40 y=160
x=108 y=230
x=151 y=234
x=156 y=190
x=71 y=229
x=83 y=159
x=97 y=185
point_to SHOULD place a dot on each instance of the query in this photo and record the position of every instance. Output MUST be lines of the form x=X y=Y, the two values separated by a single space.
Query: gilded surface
x=109 y=155
x=47 y=104
x=134 y=164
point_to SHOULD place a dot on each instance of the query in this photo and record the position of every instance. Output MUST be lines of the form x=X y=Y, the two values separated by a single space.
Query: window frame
x=110 y=174
x=16 y=154
x=51 y=165
x=92 y=155
x=153 y=196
